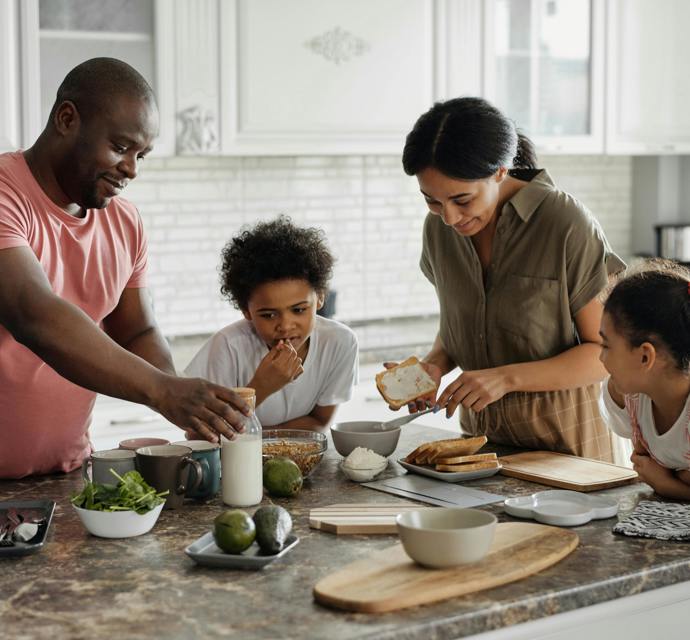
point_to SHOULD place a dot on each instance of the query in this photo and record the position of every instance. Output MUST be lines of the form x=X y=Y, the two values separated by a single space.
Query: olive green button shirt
x=549 y=258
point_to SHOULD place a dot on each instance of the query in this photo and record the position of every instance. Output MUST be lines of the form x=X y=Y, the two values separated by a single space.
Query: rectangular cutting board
x=565 y=471
x=359 y=518
x=389 y=580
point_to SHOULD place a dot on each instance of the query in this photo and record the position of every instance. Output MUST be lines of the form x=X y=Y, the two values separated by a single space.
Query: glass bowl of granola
x=304 y=448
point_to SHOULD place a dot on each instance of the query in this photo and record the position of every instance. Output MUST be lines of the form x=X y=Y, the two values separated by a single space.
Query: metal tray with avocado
x=231 y=543
x=204 y=551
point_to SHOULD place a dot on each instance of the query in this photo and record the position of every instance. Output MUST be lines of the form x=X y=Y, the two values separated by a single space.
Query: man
x=75 y=316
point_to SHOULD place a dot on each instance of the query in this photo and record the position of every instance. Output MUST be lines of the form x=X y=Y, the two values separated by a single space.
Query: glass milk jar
x=241 y=461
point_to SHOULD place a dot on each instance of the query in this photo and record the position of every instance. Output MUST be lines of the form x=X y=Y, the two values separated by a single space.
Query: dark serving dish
x=34 y=509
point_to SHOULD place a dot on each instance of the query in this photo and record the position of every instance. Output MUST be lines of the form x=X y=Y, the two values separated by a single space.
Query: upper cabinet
x=10 y=131
x=59 y=34
x=648 y=81
x=277 y=77
x=324 y=76
x=544 y=67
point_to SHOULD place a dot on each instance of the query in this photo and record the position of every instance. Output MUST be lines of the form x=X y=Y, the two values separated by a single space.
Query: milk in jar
x=241 y=460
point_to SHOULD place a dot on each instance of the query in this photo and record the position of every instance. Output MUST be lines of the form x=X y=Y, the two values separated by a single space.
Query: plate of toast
x=452 y=460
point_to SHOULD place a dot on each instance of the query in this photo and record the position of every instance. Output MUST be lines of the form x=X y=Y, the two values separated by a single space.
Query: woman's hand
x=428 y=400
x=474 y=390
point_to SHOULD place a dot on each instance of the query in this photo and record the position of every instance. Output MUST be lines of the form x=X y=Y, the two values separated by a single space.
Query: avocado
x=282 y=477
x=234 y=531
x=273 y=525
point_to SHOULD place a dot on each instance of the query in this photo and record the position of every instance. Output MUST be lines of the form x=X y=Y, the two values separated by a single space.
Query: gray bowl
x=349 y=435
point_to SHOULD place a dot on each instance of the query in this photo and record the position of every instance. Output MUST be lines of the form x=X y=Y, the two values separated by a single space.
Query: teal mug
x=207 y=454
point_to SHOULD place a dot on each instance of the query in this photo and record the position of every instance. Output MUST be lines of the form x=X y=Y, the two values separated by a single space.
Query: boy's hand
x=279 y=366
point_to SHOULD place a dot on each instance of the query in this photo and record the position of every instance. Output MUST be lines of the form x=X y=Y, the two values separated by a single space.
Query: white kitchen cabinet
x=648 y=81
x=10 y=132
x=544 y=67
x=324 y=76
x=56 y=35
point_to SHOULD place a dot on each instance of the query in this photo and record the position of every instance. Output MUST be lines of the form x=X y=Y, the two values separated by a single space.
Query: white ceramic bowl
x=440 y=538
x=363 y=475
x=118 y=524
x=347 y=436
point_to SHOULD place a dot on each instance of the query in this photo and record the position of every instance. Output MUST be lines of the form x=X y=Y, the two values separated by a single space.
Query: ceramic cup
x=136 y=443
x=102 y=462
x=166 y=467
x=207 y=454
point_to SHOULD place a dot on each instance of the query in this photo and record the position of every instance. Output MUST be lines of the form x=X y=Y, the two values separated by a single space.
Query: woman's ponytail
x=526 y=156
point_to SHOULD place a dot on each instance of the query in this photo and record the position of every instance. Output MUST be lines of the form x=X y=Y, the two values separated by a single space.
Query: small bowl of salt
x=363 y=464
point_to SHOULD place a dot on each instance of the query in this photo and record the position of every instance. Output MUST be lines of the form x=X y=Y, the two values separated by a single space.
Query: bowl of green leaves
x=123 y=510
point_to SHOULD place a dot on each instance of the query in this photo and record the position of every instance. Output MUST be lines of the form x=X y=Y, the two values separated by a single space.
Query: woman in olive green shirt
x=517 y=265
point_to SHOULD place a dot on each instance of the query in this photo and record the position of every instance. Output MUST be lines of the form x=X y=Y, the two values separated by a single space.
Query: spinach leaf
x=131 y=493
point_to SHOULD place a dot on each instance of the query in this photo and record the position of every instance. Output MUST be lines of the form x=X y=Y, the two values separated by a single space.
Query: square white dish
x=205 y=552
x=561 y=508
x=448 y=476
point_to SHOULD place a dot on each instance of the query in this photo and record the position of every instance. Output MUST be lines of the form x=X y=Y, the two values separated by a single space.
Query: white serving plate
x=448 y=476
x=205 y=552
x=561 y=508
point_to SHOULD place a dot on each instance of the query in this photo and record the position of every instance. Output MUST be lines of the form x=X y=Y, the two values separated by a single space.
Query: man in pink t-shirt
x=75 y=317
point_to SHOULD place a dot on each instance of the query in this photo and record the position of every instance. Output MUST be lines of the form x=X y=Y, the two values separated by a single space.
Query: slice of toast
x=430 y=452
x=472 y=466
x=477 y=457
x=404 y=383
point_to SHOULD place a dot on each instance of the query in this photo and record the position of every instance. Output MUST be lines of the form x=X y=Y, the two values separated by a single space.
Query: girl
x=301 y=365
x=517 y=265
x=646 y=349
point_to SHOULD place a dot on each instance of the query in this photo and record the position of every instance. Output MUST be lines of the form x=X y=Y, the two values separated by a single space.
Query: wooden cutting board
x=389 y=580
x=359 y=518
x=564 y=471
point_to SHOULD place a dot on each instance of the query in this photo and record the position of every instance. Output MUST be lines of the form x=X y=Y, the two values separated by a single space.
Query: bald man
x=75 y=314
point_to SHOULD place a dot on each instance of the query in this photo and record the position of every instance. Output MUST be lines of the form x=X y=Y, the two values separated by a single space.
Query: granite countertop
x=80 y=586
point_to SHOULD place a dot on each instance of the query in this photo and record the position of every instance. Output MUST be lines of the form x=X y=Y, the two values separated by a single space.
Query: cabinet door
x=59 y=34
x=9 y=76
x=324 y=76
x=649 y=84
x=544 y=67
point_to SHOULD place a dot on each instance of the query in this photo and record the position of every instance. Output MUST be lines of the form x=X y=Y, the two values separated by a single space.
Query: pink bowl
x=135 y=443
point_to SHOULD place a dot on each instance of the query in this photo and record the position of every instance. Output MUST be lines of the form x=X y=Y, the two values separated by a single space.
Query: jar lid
x=247 y=394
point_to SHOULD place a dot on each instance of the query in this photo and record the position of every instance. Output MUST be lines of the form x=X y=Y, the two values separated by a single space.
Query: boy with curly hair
x=302 y=365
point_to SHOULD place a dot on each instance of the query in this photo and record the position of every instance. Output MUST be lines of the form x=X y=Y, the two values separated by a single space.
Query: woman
x=517 y=265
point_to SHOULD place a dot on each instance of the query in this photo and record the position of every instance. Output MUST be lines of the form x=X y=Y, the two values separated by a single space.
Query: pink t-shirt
x=44 y=418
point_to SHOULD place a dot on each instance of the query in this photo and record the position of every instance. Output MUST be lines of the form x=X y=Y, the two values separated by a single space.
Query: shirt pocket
x=530 y=309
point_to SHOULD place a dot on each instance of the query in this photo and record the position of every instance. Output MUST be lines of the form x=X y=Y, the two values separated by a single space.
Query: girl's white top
x=232 y=355
x=636 y=422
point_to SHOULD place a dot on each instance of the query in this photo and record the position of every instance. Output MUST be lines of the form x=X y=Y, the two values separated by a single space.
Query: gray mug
x=207 y=454
x=102 y=462
x=166 y=468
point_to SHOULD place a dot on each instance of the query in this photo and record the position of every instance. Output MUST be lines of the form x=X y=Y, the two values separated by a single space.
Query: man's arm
x=133 y=326
x=68 y=340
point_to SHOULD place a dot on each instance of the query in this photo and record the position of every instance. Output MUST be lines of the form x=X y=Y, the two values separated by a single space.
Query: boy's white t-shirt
x=670 y=449
x=232 y=355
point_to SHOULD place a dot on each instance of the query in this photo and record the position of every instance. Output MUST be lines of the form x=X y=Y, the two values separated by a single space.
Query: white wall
x=371 y=211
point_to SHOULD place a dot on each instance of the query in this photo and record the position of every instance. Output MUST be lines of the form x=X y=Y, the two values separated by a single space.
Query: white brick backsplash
x=371 y=211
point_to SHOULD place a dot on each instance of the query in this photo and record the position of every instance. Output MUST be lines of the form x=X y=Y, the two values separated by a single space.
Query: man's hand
x=474 y=390
x=425 y=401
x=280 y=366
x=202 y=409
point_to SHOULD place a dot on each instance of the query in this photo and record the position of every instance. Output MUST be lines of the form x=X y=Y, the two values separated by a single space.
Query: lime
x=282 y=477
x=234 y=531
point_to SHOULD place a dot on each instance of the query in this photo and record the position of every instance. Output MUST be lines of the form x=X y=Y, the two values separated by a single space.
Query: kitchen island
x=80 y=586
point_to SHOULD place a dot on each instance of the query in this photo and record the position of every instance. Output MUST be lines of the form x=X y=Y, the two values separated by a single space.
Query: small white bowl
x=446 y=537
x=118 y=524
x=362 y=475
